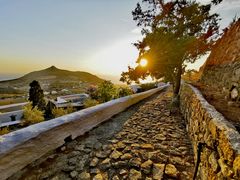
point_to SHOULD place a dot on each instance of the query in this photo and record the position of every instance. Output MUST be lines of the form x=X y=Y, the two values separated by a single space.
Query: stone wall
x=220 y=155
x=222 y=68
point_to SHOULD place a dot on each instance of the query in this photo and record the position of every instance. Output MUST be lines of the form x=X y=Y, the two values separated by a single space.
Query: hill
x=52 y=78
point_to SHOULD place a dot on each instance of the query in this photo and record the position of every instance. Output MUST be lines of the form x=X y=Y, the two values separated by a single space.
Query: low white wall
x=20 y=148
x=6 y=117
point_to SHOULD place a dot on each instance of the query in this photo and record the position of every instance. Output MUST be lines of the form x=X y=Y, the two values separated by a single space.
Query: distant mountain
x=52 y=75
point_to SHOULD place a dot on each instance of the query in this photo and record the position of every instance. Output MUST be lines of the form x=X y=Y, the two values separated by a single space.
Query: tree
x=36 y=95
x=92 y=92
x=124 y=91
x=175 y=33
x=106 y=91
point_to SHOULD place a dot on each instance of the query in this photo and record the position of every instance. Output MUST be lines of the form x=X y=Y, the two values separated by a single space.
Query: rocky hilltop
x=52 y=78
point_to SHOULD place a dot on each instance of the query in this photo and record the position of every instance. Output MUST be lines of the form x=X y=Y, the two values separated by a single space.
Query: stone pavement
x=150 y=145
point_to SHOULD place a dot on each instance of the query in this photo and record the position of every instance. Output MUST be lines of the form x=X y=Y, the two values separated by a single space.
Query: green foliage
x=36 y=95
x=175 y=32
x=32 y=115
x=90 y=102
x=57 y=112
x=106 y=91
x=4 y=130
x=124 y=91
x=147 y=86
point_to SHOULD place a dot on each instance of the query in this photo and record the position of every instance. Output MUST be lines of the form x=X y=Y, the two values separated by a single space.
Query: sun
x=143 y=62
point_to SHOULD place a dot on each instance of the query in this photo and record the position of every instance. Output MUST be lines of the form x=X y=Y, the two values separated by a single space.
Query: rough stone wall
x=220 y=156
x=222 y=68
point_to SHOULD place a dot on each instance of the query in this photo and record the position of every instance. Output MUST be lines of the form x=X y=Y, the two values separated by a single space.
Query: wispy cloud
x=136 y=31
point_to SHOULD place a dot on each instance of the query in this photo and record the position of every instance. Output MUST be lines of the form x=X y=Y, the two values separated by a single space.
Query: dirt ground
x=229 y=109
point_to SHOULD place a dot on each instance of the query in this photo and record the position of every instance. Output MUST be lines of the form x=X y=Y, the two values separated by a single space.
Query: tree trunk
x=177 y=81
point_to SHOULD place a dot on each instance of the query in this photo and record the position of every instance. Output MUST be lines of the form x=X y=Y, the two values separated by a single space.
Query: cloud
x=136 y=31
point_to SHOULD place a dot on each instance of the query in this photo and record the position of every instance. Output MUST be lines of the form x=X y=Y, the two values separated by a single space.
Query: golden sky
x=94 y=36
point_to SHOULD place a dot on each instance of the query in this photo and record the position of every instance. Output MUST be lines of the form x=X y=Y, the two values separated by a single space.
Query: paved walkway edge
x=20 y=148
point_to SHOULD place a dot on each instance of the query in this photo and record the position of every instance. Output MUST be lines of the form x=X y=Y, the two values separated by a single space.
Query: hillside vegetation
x=51 y=79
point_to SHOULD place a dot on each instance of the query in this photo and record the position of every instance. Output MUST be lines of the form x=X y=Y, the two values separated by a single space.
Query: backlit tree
x=174 y=33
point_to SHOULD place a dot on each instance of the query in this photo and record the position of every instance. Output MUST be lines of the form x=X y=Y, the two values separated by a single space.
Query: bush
x=106 y=91
x=32 y=115
x=4 y=130
x=70 y=109
x=147 y=86
x=124 y=91
x=57 y=112
x=90 y=102
x=92 y=92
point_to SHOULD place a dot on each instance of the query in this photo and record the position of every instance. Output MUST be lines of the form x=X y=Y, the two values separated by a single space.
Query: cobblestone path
x=149 y=144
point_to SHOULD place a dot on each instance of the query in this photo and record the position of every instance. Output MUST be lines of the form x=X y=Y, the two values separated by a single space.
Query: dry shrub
x=4 y=130
x=57 y=112
x=32 y=115
x=90 y=102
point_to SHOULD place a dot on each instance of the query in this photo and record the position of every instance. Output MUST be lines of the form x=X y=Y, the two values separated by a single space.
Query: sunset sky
x=86 y=35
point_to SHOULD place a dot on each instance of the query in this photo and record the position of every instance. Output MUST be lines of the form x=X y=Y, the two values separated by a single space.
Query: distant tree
x=174 y=32
x=124 y=91
x=36 y=95
x=106 y=91
x=92 y=92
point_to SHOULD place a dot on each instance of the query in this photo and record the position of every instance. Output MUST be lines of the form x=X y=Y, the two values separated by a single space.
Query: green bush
x=124 y=91
x=32 y=115
x=106 y=91
x=147 y=86
x=92 y=91
x=90 y=102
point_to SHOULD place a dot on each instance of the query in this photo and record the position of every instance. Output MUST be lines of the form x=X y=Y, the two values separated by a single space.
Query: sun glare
x=143 y=62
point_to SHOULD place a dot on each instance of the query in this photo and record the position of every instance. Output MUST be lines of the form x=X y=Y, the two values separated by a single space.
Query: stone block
x=236 y=166
x=213 y=161
x=225 y=169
